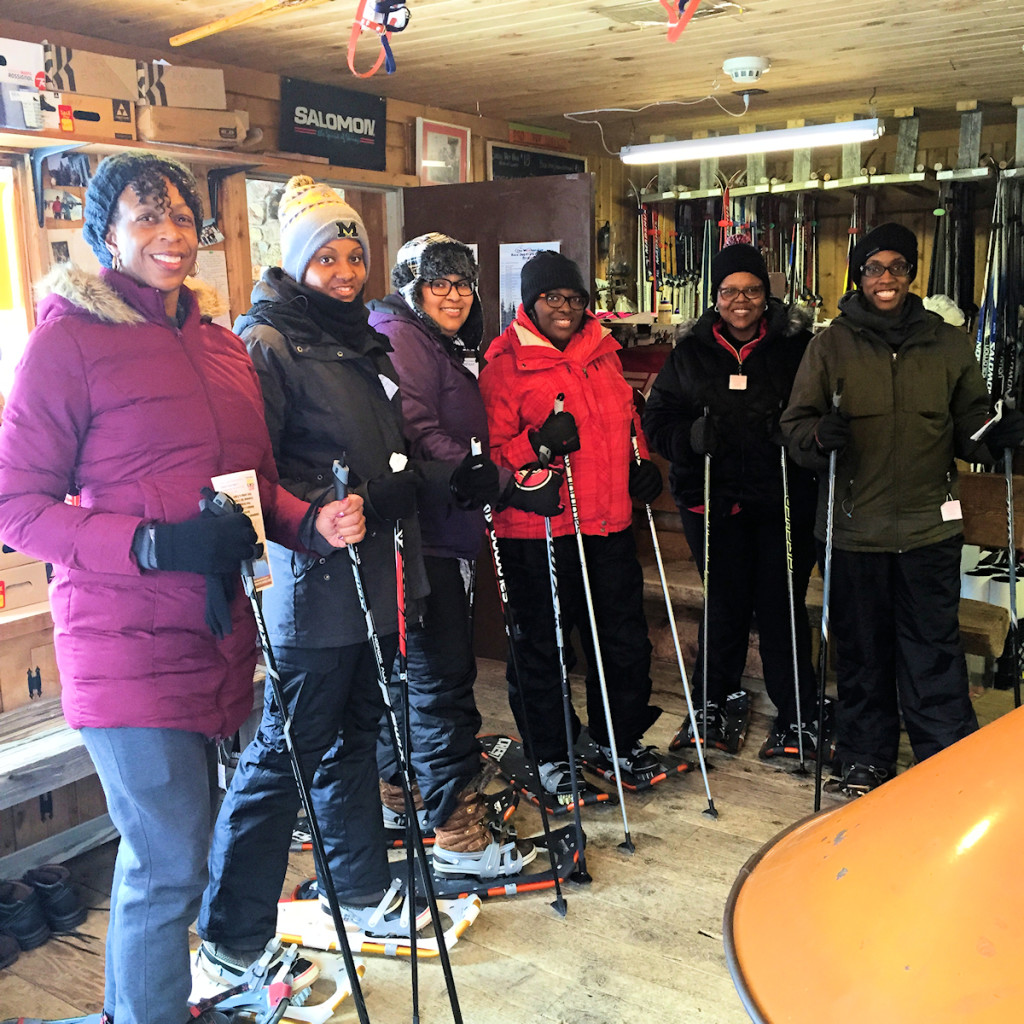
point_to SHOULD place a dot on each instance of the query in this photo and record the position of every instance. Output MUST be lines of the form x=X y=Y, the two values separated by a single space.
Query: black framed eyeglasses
x=556 y=301
x=441 y=286
x=755 y=291
x=898 y=269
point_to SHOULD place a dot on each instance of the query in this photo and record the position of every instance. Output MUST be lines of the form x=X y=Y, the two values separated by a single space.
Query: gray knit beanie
x=311 y=215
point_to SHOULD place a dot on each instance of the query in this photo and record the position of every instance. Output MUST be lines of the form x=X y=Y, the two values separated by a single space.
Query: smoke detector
x=746 y=69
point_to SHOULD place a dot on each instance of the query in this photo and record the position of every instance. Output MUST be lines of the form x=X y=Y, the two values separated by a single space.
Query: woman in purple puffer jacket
x=130 y=397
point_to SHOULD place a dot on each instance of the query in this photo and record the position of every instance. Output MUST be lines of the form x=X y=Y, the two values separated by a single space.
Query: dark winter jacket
x=113 y=400
x=747 y=469
x=328 y=396
x=911 y=410
x=524 y=375
x=443 y=412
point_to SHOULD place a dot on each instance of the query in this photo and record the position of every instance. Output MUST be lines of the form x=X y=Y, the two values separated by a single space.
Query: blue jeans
x=160 y=786
x=335 y=704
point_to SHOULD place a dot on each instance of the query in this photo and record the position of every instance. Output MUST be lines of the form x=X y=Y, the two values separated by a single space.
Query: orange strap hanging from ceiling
x=385 y=17
x=680 y=14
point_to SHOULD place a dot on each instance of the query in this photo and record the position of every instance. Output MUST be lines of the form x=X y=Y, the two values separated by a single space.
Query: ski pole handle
x=559 y=402
x=475 y=447
x=222 y=504
x=636 y=444
x=838 y=394
x=340 y=474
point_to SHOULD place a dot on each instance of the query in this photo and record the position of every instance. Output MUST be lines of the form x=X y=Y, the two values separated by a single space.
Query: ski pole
x=1011 y=552
x=627 y=843
x=702 y=740
x=580 y=874
x=222 y=504
x=403 y=689
x=710 y=809
x=802 y=770
x=340 y=473
x=819 y=759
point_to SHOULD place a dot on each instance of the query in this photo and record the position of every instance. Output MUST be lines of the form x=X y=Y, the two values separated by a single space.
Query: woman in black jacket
x=720 y=395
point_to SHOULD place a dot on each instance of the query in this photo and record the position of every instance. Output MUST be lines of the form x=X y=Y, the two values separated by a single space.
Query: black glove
x=832 y=434
x=534 y=489
x=644 y=481
x=220 y=592
x=705 y=438
x=475 y=482
x=393 y=495
x=1006 y=432
x=209 y=545
x=556 y=436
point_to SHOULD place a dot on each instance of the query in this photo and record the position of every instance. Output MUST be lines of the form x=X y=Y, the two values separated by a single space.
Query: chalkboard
x=510 y=162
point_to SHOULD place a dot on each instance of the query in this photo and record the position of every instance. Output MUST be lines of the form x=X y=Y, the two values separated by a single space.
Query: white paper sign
x=244 y=488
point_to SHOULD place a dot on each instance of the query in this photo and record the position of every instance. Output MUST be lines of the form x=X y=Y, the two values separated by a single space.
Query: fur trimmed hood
x=798 y=318
x=94 y=294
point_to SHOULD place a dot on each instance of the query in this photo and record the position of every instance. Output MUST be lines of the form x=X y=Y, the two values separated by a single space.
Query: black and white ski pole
x=826 y=586
x=702 y=740
x=340 y=473
x=1011 y=552
x=222 y=504
x=580 y=874
x=398 y=462
x=627 y=843
x=710 y=809
x=802 y=770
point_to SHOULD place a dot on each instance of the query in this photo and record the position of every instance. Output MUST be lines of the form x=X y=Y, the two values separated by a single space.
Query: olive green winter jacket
x=912 y=409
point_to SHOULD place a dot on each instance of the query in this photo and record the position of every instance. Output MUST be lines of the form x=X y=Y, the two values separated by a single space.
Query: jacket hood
x=95 y=294
x=791 y=319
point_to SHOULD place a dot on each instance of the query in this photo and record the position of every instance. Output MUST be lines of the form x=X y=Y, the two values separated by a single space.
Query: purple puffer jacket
x=114 y=402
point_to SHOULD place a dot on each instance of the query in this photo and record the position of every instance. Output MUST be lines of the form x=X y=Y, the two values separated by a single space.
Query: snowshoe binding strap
x=382 y=18
x=496 y=860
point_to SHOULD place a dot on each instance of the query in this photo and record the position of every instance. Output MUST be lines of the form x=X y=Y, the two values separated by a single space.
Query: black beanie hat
x=142 y=170
x=739 y=258
x=885 y=238
x=550 y=270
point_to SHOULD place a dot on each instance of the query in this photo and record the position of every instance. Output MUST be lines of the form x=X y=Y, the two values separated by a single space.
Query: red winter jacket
x=523 y=376
x=112 y=400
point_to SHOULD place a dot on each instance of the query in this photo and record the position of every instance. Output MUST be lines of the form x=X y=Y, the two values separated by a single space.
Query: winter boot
x=464 y=845
x=686 y=736
x=639 y=761
x=854 y=780
x=556 y=779
x=735 y=720
x=21 y=915
x=227 y=965
x=52 y=883
x=392 y=801
x=9 y=950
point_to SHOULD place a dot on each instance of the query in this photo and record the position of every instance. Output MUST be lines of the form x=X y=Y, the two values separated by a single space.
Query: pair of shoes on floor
x=639 y=761
x=855 y=779
x=468 y=844
x=41 y=903
x=225 y=964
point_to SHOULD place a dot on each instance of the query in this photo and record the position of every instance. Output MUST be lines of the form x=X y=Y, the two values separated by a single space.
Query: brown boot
x=392 y=797
x=464 y=845
x=464 y=830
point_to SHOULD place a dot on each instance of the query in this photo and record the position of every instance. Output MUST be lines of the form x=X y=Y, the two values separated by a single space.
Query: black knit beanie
x=739 y=258
x=549 y=270
x=885 y=238
x=144 y=172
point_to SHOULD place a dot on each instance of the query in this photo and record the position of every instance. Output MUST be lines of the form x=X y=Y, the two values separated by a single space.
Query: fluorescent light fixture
x=807 y=137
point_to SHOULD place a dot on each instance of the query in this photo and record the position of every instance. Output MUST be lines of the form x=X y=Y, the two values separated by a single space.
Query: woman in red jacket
x=130 y=396
x=556 y=346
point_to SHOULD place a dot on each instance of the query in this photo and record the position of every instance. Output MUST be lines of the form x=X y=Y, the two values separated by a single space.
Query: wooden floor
x=643 y=942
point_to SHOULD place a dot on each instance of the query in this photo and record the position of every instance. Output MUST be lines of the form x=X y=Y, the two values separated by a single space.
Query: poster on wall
x=442 y=152
x=348 y=128
x=511 y=257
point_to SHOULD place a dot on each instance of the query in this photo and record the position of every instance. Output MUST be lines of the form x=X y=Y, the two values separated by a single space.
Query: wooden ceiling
x=535 y=60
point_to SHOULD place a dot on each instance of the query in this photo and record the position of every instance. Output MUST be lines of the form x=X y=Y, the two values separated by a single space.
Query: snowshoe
x=726 y=725
x=507 y=752
x=856 y=780
x=640 y=768
x=538 y=876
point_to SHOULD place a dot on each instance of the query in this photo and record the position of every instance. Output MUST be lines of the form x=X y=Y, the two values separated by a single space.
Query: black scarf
x=891 y=329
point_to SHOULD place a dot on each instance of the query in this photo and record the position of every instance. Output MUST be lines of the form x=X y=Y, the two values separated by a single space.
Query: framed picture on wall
x=442 y=152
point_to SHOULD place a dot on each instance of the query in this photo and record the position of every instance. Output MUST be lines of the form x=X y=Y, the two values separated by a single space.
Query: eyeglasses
x=755 y=291
x=556 y=301
x=442 y=286
x=897 y=269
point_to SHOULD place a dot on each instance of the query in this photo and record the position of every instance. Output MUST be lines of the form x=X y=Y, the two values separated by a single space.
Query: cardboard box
x=13 y=559
x=20 y=107
x=28 y=665
x=167 y=85
x=22 y=64
x=89 y=117
x=214 y=129
x=23 y=584
x=94 y=74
